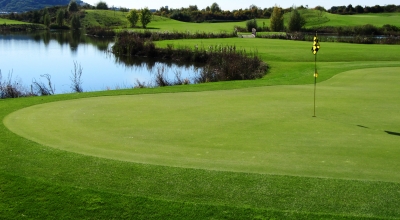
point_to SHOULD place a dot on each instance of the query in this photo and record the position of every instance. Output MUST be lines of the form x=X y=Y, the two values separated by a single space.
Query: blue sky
x=231 y=5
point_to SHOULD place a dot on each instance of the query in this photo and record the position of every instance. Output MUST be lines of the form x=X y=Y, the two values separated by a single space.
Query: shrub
x=250 y=24
x=100 y=31
x=133 y=17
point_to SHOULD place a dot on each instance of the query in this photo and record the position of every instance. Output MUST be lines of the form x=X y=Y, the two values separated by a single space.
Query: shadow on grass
x=388 y=132
x=393 y=133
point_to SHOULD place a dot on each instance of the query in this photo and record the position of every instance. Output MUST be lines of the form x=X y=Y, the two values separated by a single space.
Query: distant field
x=7 y=21
x=362 y=19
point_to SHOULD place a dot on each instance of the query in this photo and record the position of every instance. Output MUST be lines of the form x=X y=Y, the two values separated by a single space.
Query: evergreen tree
x=277 y=19
x=296 y=21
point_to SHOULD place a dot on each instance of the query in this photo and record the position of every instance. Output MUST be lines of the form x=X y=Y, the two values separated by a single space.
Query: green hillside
x=314 y=18
x=29 y=5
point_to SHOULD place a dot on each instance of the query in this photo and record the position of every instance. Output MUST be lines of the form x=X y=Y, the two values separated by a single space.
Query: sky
x=232 y=5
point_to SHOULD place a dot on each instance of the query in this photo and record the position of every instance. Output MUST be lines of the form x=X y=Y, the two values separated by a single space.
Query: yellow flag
x=315 y=46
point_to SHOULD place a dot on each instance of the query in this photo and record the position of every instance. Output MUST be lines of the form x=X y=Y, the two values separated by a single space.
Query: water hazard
x=26 y=57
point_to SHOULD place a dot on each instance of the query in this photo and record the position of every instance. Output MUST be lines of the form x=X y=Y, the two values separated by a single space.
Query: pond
x=26 y=57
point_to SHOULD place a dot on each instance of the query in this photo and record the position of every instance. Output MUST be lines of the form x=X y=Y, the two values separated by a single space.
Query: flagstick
x=315 y=81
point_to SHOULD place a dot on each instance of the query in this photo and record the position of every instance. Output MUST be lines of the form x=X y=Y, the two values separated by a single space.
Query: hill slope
x=28 y=5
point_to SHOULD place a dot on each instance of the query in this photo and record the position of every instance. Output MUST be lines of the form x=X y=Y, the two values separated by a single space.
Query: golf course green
x=261 y=130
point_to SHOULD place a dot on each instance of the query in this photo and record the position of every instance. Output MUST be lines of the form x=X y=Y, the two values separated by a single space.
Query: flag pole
x=315 y=82
x=315 y=49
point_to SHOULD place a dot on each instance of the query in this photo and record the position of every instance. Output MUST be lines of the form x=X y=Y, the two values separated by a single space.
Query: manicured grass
x=71 y=185
x=316 y=18
x=378 y=19
x=257 y=130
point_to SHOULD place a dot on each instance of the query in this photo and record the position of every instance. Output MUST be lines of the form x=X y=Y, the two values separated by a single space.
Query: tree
x=102 y=6
x=145 y=17
x=75 y=22
x=46 y=19
x=60 y=17
x=215 y=8
x=133 y=17
x=73 y=6
x=277 y=19
x=359 y=9
x=296 y=21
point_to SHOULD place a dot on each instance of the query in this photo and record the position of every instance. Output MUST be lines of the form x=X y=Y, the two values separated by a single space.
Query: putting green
x=261 y=130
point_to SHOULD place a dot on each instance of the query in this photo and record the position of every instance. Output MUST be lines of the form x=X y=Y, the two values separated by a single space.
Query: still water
x=24 y=57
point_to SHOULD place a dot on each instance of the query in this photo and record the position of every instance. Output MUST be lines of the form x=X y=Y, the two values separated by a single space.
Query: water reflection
x=30 y=55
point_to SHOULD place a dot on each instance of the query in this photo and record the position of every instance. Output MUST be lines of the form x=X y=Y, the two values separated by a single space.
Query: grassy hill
x=29 y=5
x=314 y=18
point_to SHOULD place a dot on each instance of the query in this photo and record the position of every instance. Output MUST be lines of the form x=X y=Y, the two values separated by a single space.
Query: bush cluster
x=221 y=63
x=366 y=29
x=100 y=32
x=161 y=35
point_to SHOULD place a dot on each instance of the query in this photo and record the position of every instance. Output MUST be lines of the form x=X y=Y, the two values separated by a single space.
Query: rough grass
x=105 y=18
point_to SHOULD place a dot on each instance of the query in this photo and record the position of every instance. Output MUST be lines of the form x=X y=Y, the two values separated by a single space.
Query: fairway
x=260 y=130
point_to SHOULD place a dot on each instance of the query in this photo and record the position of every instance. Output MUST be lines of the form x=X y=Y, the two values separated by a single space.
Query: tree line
x=214 y=13
x=366 y=9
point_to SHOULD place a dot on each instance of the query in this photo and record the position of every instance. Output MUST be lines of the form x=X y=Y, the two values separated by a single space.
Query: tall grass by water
x=222 y=63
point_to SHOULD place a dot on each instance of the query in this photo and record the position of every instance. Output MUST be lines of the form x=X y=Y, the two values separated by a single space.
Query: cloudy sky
x=231 y=5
